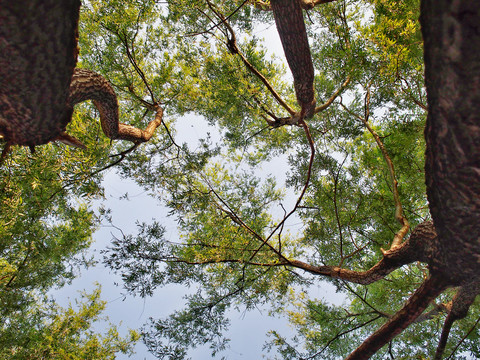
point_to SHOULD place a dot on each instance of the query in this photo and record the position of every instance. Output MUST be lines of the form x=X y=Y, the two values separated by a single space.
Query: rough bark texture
x=451 y=32
x=461 y=303
x=38 y=56
x=291 y=28
x=88 y=85
x=38 y=53
x=39 y=84
x=421 y=246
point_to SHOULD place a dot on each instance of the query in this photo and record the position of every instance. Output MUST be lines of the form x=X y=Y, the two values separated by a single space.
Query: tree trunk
x=38 y=53
x=291 y=28
x=451 y=32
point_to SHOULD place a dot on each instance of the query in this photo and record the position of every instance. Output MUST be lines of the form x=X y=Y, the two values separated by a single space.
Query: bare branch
x=295 y=118
x=234 y=216
x=417 y=303
x=332 y=98
x=364 y=300
x=416 y=248
x=229 y=16
x=233 y=47
x=232 y=41
x=463 y=339
x=131 y=58
x=437 y=309
x=337 y=215
x=340 y=334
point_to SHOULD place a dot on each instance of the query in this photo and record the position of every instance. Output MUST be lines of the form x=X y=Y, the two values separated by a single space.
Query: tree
x=40 y=84
x=408 y=266
x=46 y=219
x=358 y=161
x=47 y=331
x=46 y=226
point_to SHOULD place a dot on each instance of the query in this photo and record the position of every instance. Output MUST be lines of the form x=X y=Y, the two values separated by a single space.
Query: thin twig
x=239 y=221
x=232 y=45
x=463 y=338
x=307 y=182
x=222 y=21
x=131 y=58
x=400 y=234
x=339 y=334
x=337 y=215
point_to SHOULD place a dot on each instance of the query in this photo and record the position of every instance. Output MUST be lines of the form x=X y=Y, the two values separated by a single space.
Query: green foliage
x=233 y=231
x=238 y=225
x=46 y=226
x=44 y=222
x=47 y=331
x=207 y=326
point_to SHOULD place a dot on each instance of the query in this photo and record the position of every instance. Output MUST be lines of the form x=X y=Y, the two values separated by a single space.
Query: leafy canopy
x=245 y=239
x=237 y=238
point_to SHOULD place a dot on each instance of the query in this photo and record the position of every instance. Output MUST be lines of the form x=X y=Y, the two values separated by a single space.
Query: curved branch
x=232 y=43
x=88 y=85
x=419 y=247
x=131 y=58
x=295 y=118
x=332 y=98
x=398 y=238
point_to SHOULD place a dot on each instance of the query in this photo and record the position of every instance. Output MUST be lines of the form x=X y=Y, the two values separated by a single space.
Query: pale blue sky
x=248 y=330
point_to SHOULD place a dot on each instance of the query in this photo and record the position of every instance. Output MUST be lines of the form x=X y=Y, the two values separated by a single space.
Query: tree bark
x=461 y=303
x=451 y=32
x=38 y=53
x=291 y=28
x=421 y=246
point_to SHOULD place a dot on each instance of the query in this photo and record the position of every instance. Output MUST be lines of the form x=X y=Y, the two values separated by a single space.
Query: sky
x=248 y=330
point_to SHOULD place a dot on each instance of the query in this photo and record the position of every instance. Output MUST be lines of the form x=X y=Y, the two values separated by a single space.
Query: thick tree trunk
x=291 y=28
x=451 y=32
x=38 y=53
